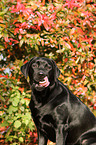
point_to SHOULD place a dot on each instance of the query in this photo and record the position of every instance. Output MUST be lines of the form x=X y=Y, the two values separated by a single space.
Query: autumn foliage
x=63 y=30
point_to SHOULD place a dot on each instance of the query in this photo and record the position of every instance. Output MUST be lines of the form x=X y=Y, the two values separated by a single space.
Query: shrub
x=62 y=30
x=16 y=117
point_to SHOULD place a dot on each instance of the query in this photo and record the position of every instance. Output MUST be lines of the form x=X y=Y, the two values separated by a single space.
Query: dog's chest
x=43 y=115
x=44 y=120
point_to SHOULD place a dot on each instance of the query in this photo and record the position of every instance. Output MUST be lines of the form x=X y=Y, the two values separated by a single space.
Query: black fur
x=58 y=114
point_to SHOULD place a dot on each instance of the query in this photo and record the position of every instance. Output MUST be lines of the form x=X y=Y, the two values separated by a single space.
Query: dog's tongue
x=44 y=83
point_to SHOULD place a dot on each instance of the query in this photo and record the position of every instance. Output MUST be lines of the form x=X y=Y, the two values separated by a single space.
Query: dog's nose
x=41 y=74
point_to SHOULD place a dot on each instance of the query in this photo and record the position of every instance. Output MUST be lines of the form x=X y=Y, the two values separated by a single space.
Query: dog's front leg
x=61 y=135
x=42 y=140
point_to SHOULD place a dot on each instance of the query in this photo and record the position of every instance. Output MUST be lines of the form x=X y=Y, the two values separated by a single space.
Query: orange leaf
x=21 y=89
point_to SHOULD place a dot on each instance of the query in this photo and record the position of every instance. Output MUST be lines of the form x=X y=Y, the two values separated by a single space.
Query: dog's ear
x=56 y=69
x=25 y=67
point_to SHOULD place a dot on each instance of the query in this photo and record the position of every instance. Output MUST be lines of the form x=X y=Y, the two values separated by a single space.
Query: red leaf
x=12 y=68
x=21 y=89
x=53 y=17
x=14 y=21
x=94 y=106
x=6 y=76
x=16 y=31
x=83 y=78
x=24 y=24
x=46 y=26
x=71 y=4
x=10 y=43
x=66 y=59
x=38 y=13
x=25 y=61
x=6 y=39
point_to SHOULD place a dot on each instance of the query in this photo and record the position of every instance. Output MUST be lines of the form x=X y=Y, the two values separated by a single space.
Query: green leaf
x=5 y=123
x=36 y=47
x=2 y=99
x=15 y=102
x=60 y=50
x=21 y=42
x=17 y=124
x=28 y=115
x=14 y=143
x=31 y=126
x=21 y=139
x=27 y=102
x=2 y=13
x=22 y=101
x=12 y=109
x=25 y=121
x=77 y=59
x=21 y=108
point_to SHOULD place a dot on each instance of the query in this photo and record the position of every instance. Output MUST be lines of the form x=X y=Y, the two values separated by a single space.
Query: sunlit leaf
x=17 y=124
x=64 y=31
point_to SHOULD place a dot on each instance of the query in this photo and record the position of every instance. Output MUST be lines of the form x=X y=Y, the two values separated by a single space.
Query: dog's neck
x=42 y=97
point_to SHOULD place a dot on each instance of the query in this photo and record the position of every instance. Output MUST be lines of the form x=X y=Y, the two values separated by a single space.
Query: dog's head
x=42 y=72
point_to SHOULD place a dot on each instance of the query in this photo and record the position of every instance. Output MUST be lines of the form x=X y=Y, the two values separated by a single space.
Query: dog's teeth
x=42 y=82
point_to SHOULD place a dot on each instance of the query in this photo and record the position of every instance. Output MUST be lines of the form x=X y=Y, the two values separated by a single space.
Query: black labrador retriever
x=58 y=114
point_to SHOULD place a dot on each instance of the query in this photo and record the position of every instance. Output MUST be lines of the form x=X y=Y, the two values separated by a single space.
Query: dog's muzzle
x=42 y=84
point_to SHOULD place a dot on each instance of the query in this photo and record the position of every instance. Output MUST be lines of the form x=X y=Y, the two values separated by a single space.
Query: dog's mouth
x=42 y=84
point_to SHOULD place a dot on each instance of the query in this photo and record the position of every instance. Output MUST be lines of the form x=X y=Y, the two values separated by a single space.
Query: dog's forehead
x=42 y=61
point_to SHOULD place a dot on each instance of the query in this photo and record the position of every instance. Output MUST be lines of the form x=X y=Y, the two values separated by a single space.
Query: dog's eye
x=34 y=65
x=48 y=67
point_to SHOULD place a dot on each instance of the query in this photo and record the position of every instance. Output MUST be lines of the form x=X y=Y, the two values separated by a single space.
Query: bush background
x=63 y=30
